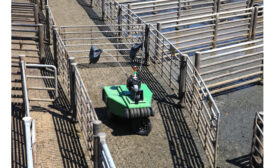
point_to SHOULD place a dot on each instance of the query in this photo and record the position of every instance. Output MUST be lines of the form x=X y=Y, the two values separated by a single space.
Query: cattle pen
x=202 y=60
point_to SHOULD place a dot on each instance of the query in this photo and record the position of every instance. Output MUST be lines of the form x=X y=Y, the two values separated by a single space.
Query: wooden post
x=103 y=10
x=55 y=48
x=147 y=44
x=41 y=42
x=179 y=14
x=48 y=25
x=119 y=23
x=96 y=149
x=182 y=79
x=72 y=88
x=157 y=39
x=36 y=16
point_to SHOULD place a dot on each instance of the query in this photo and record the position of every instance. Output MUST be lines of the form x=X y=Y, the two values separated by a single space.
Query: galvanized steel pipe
x=47 y=66
x=105 y=150
x=27 y=122
x=25 y=91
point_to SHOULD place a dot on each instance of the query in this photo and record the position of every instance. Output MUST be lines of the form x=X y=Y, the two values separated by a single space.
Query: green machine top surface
x=120 y=94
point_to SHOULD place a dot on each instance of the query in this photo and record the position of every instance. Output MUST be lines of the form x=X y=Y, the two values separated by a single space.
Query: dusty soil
x=238 y=110
x=170 y=144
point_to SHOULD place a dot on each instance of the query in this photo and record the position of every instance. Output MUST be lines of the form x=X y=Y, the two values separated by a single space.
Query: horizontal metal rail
x=46 y=77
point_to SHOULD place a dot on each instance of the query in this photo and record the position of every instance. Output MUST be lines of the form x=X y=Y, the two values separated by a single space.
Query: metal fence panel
x=203 y=110
x=116 y=42
x=257 y=148
x=85 y=111
x=63 y=63
x=232 y=66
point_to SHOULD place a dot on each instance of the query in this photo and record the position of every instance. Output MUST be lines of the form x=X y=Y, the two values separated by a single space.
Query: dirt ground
x=238 y=110
x=173 y=141
x=170 y=144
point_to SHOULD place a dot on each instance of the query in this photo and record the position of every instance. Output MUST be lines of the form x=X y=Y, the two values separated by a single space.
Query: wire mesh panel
x=257 y=148
x=203 y=110
x=113 y=40
x=231 y=67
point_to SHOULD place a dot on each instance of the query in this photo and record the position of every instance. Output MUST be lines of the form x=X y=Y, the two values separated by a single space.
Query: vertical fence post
x=41 y=42
x=217 y=140
x=147 y=44
x=197 y=60
x=250 y=3
x=254 y=25
x=96 y=149
x=173 y=53
x=251 y=25
x=38 y=2
x=72 y=81
x=218 y=5
x=120 y=22
x=73 y=89
x=55 y=47
x=182 y=78
x=27 y=123
x=158 y=39
x=42 y=4
x=179 y=13
x=34 y=143
x=154 y=8
x=103 y=10
x=36 y=16
x=92 y=3
x=216 y=22
x=48 y=24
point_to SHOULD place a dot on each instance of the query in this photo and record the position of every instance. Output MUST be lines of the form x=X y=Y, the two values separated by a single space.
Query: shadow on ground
x=242 y=161
x=18 y=150
x=182 y=146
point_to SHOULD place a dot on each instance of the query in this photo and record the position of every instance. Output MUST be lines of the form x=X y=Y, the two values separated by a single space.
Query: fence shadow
x=67 y=138
x=68 y=141
x=61 y=103
x=182 y=146
x=242 y=161
x=18 y=150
